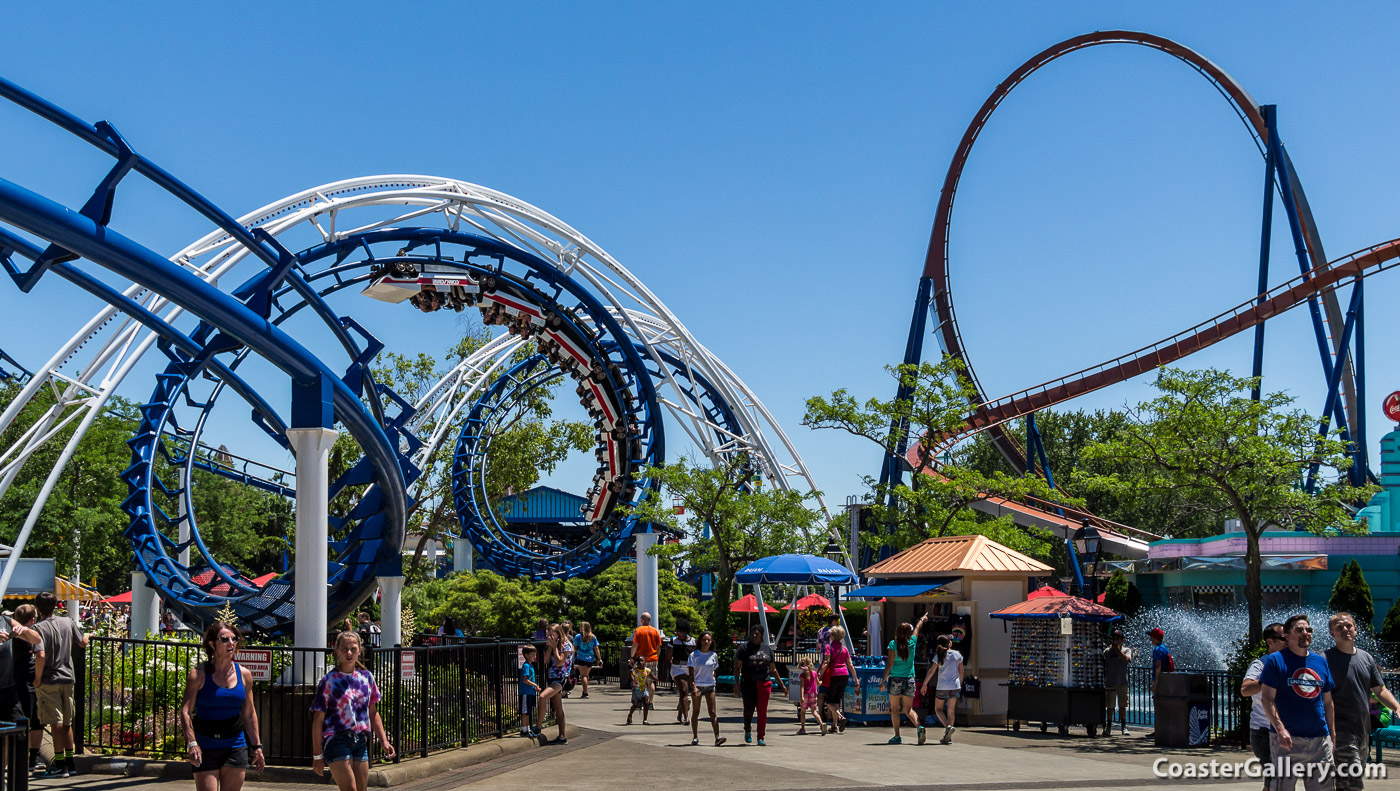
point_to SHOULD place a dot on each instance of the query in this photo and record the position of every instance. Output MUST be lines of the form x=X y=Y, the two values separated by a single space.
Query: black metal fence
x=435 y=697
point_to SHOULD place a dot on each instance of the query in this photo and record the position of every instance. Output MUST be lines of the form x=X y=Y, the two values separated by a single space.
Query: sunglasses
x=226 y=640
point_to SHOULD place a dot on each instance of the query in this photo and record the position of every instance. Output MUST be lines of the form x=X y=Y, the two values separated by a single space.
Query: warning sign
x=257 y=660
x=407 y=666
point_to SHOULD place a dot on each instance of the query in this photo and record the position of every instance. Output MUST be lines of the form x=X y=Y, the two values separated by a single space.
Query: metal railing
x=129 y=692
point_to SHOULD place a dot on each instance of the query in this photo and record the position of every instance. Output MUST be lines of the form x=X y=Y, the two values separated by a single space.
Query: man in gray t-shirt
x=1356 y=675
x=1115 y=676
x=53 y=680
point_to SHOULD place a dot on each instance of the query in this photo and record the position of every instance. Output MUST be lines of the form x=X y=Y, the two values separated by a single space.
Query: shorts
x=679 y=670
x=836 y=689
x=639 y=695
x=584 y=663
x=349 y=746
x=903 y=687
x=56 y=704
x=651 y=679
x=1119 y=694
x=216 y=758
x=946 y=694
x=527 y=705
x=10 y=708
x=706 y=689
x=808 y=702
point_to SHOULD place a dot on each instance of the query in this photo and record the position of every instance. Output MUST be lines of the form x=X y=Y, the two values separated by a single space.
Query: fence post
x=499 y=679
x=399 y=746
x=422 y=681
x=80 y=690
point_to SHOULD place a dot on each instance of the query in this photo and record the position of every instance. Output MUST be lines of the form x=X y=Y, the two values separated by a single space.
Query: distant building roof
x=973 y=554
x=543 y=504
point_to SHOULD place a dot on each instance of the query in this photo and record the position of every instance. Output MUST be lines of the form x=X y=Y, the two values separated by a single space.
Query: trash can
x=1182 y=710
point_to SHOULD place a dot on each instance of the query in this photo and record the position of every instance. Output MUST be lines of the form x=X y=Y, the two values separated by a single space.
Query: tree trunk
x=1253 y=587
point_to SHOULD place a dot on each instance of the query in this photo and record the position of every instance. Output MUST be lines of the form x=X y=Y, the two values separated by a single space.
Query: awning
x=901 y=589
x=67 y=591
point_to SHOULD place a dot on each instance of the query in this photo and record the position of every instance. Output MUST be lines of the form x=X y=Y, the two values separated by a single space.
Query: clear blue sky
x=769 y=170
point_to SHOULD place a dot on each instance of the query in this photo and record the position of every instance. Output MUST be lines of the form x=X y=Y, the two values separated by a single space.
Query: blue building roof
x=543 y=504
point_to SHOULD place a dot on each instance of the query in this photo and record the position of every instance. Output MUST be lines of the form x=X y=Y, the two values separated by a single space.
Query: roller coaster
x=571 y=311
x=1340 y=336
x=263 y=292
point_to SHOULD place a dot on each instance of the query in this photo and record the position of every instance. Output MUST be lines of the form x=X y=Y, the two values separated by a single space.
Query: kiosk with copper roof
x=958 y=581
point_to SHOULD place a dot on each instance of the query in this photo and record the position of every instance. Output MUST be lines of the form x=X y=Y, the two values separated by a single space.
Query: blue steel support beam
x=104 y=247
x=1334 y=381
x=1265 y=243
x=892 y=468
x=1361 y=467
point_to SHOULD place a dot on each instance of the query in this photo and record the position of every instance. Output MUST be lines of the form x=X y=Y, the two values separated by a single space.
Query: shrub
x=1352 y=594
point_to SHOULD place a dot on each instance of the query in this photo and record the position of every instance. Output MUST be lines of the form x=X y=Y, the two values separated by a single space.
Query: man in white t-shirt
x=1259 y=729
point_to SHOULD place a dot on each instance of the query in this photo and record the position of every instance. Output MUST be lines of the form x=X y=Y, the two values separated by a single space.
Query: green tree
x=245 y=527
x=1122 y=595
x=746 y=521
x=1065 y=434
x=937 y=499
x=1205 y=439
x=1352 y=594
x=1390 y=628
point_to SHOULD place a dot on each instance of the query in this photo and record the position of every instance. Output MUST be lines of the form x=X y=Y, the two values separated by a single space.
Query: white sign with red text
x=408 y=666
x=258 y=660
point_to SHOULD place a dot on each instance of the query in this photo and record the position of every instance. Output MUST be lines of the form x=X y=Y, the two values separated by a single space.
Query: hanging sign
x=1392 y=406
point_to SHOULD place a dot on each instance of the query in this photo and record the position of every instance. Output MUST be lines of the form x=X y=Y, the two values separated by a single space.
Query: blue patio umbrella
x=795 y=570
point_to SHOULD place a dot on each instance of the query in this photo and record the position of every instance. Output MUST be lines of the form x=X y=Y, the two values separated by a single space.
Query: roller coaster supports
x=1266 y=234
x=1334 y=380
x=1361 y=467
x=648 y=590
x=311 y=440
x=462 y=559
x=391 y=605
x=892 y=468
x=145 y=609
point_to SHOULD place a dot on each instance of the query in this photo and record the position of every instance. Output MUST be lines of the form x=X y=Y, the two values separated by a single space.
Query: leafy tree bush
x=1122 y=595
x=1352 y=594
x=1390 y=630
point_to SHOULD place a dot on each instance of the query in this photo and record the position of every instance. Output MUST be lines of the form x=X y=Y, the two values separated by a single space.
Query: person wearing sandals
x=948 y=664
x=838 y=669
x=753 y=666
x=899 y=678
x=559 y=662
x=217 y=713
x=701 y=665
x=681 y=646
x=585 y=654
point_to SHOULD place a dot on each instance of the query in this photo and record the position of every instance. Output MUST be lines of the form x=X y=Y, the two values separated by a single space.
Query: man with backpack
x=1162 y=662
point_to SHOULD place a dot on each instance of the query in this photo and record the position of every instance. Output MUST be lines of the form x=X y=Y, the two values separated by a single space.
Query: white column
x=145 y=608
x=180 y=508
x=391 y=611
x=462 y=554
x=648 y=587
x=312 y=447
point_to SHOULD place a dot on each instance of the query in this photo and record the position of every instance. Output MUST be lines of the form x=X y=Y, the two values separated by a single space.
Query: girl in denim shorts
x=344 y=716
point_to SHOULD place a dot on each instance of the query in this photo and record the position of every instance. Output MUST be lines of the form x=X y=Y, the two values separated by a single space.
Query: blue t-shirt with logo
x=1299 y=683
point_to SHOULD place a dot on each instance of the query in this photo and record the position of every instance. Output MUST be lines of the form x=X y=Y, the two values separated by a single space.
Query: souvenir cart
x=1056 y=676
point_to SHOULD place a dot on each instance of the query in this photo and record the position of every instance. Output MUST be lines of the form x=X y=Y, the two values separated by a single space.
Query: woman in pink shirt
x=843 y=671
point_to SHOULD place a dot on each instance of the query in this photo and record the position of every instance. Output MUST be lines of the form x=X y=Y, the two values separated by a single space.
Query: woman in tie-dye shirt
x=344 y=716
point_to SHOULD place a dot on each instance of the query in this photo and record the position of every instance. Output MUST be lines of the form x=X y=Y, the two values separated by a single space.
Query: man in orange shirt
x=646 y=642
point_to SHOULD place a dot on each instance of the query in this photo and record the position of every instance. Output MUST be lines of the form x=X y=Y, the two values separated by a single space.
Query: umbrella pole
x=833 y=595
x=758 y=597
x=783 y=626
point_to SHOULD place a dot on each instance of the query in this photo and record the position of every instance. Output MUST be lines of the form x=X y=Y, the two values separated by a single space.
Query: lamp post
x=1087 y=545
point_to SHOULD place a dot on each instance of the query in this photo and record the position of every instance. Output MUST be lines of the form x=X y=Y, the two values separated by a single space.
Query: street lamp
x=1087 y=544
x=833 y=549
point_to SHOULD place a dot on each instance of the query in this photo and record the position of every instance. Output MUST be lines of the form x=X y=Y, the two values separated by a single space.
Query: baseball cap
x=1116 y=633
x=1157 y=633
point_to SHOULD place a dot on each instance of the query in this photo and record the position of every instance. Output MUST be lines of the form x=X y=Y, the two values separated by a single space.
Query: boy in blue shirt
x=529 y=689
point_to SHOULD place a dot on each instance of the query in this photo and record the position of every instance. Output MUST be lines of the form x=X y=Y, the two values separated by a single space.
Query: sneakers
x=947 y=735
x=57 y=770
x=559 y=740
x=761 y=744
x=923 y=736
x=584 y=696
x=695 y=742
x=720 y=740
x=629 y=720
x=895 y=740
x=748 y=738
x=1124 y=730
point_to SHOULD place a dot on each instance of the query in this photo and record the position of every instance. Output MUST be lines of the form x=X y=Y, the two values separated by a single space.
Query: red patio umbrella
x=1045 y=591
x=809 y=601
x=749 y=604
x=266 y=578
x=120 y=598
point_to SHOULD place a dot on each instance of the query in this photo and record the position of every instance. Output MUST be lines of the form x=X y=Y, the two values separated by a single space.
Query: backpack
x=1169 y=664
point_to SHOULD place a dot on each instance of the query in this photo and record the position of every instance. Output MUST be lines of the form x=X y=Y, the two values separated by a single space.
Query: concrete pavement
x=609 y=753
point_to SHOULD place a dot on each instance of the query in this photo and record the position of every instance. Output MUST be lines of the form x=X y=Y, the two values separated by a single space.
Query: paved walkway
x=609 y=756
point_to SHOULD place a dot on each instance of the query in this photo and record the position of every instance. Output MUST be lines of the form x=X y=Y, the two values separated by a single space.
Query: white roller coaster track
x=115 y=343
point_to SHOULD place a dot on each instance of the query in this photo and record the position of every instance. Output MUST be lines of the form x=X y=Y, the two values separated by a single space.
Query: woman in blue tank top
x=218 y=712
